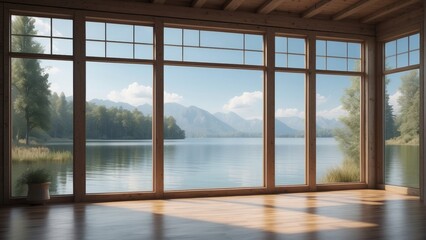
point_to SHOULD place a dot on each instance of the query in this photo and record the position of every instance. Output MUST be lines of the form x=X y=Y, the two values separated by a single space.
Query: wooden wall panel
x=398 y=26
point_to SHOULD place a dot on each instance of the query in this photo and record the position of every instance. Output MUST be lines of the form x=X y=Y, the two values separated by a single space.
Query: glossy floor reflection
x=355 y=214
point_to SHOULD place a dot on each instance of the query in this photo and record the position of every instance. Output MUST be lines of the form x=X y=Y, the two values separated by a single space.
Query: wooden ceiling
x=362 y=11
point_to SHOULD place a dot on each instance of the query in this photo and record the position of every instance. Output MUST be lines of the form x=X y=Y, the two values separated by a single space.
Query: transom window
x=338 y=56
x=119 y=40
x=402 y=52
x=290 y=52
x=42 y=35
x=190 y=45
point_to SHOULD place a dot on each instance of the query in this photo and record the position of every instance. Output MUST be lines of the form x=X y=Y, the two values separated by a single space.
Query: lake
x=126 y=166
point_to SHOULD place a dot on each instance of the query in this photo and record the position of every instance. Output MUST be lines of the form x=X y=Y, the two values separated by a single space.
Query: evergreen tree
x=349 y=136
x=29 y=81
x=390 y=128
x=408 y=119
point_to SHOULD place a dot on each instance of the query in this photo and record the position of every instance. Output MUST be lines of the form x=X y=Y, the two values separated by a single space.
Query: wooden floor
x=355 y=214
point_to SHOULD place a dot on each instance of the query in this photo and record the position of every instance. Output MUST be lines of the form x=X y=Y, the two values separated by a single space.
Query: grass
x=348 y=172
x=39 y=154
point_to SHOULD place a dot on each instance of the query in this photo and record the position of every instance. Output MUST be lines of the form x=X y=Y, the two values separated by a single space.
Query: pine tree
x=390 y=128
x=29 y=81
x=408 y=119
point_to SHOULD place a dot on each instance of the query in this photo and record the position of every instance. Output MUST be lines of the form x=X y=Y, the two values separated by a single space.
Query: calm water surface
x=126 y=166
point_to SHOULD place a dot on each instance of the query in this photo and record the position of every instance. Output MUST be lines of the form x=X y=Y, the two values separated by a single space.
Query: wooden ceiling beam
x=198 y=3
x=316 y=9
x=233 y=5
x=356 y=8
x=269 y=6
x=389 y=9
x=158 y=1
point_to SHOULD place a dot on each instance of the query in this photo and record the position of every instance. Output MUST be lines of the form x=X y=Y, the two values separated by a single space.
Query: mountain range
x=198 y=122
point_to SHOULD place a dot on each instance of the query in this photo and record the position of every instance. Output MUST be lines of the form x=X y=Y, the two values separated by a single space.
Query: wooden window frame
x=269 y=69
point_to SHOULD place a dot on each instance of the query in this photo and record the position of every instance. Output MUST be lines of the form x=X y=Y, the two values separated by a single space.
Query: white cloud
x=321 y=99
x=248 y=105
x=42 y=26
x=333 y=113
x=289 y=112
x=393 y=101
x=136 y=94
x=172 y=97
x=52 y=70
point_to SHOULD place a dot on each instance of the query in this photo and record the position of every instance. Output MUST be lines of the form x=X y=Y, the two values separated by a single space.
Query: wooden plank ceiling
x=362 y=11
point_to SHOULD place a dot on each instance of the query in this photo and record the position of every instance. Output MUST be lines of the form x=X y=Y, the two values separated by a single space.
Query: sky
x=212 y=89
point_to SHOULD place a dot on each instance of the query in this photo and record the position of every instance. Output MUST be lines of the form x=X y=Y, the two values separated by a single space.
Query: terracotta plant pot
x=38 y=193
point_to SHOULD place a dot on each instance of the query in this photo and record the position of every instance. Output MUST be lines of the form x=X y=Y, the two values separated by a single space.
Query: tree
x=29 y=81
x=349 y=136
x=390 y=128
x=409 y=101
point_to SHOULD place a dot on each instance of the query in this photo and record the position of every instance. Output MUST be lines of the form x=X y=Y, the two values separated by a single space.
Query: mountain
x=112 y=104
x=293 y=122
x=198 y=122
x=254 y=127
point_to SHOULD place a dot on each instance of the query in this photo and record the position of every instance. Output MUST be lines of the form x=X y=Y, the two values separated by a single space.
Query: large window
x=41 y=102
x=290 y=164
x=119 y=98
x=401 y=112
x=338 y=124
x=214 y=116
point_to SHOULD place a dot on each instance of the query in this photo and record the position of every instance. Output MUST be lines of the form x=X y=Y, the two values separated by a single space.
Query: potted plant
x=38 y=182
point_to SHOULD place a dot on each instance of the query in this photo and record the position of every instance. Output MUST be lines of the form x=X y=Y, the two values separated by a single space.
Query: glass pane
x=280 y=60
x=290 y=164
x=402 y=60
x=390 y=48
x=221 y=39
x=354 y=65
x=321 y=63
x=414 y=42
x=390 y=63
x=172 y=53
x=119 y=50
x=296 y=45
x=254 y=42
x=253 y=58
x=321 y=48
x=354 y=50
x=414 y=57
x=43 y=137
x=119 y=32
x=280 y=44
x=338 y=129
x=402 y=107
x=173 y=36
x=402 y=45
x=191 y=37
x=144 y=34
x=95 y=49
x=30 y=44
x=217 y=115
x=296 y=61
x=118 y=127
x=143 y=51
x=336 y=49
x=337 y=64
x=34 y=25
x=62 y=46
x=62 y=28
x=95 y=30
x=213 y=55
